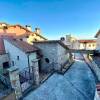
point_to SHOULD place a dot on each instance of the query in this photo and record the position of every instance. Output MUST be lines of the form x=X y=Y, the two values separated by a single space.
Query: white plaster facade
x=18 y=57
x=87 y=46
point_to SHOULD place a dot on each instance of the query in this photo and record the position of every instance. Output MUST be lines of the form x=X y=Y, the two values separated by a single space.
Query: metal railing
x=5 y=81
x=25 y=75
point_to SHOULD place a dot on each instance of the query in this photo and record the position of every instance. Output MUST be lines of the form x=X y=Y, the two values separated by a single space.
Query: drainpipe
x=29 y=66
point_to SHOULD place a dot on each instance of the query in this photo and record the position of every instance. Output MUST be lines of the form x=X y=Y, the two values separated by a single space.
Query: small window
x=89 y=45
x=35 y=39
x=93 y=45
x=12 y=63
x=47 y=60
x=6 y=65
x=27 y=36
x=32 y=34
x=5 y=27
x=21 y=39
x=17 y=57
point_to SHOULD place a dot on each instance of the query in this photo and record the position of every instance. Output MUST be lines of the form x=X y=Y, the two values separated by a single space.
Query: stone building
x=21 y=32
x=89 y=44
x=54 y=54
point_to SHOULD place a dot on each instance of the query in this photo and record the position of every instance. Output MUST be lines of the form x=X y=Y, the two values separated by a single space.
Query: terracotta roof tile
x=24 y=46
x=27 y=31
x=53 y=41
x=87 y=41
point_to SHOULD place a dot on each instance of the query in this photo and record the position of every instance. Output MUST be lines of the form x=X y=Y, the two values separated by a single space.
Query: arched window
x=47 y=60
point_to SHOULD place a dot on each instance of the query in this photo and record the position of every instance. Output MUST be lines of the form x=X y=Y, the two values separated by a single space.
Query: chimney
x=28 y=27
x=37 y=30
x=62 y=39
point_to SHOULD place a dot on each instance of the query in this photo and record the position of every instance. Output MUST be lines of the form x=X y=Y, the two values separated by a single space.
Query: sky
x=55 y=18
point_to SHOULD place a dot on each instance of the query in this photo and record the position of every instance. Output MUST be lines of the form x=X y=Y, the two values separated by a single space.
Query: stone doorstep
x=65 y=68
x=45 y=77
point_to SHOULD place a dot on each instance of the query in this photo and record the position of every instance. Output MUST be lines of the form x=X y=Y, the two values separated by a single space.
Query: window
x=93 y=45
x=89 y=45
x=47 y=60
x=5 y=27
x=32 y=34
x=6 y=65
x=17 y=57
x=35 y=39
x=27 y=36
x=21 y=39
x=12 y=63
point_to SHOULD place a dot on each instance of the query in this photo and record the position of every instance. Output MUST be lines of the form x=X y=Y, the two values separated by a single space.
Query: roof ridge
x=21 y=45
x=26 y=29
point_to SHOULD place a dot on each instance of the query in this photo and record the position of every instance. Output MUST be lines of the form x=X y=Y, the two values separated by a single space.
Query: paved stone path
x=78 y=83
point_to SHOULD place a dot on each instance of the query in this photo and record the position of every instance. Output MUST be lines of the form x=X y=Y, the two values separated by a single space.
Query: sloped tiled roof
x=87 y=41
x=53 y=41
x=22 y=45
x=28 y=32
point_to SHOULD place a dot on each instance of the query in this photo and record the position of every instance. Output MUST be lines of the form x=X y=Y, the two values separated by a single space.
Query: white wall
x=89 y=46
x=13 y=53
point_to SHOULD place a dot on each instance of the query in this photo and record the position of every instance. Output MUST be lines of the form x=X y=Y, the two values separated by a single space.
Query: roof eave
x=31 y=51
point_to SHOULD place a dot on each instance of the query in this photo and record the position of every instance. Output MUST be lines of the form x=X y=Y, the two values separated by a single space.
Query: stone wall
x=48 y=51
x=63 y=56
x=55 y=55
x=93 y=66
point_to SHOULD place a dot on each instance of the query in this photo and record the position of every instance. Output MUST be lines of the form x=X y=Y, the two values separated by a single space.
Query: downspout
x=29 y=65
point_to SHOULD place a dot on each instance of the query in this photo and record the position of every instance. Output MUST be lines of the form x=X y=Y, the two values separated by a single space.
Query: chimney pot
x=37 y=30
x=28 y=27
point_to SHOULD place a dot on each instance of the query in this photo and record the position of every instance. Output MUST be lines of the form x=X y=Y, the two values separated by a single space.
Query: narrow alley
x=78 y=83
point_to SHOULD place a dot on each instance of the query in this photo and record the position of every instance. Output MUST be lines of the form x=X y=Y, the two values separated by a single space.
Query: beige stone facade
x=87 y=44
